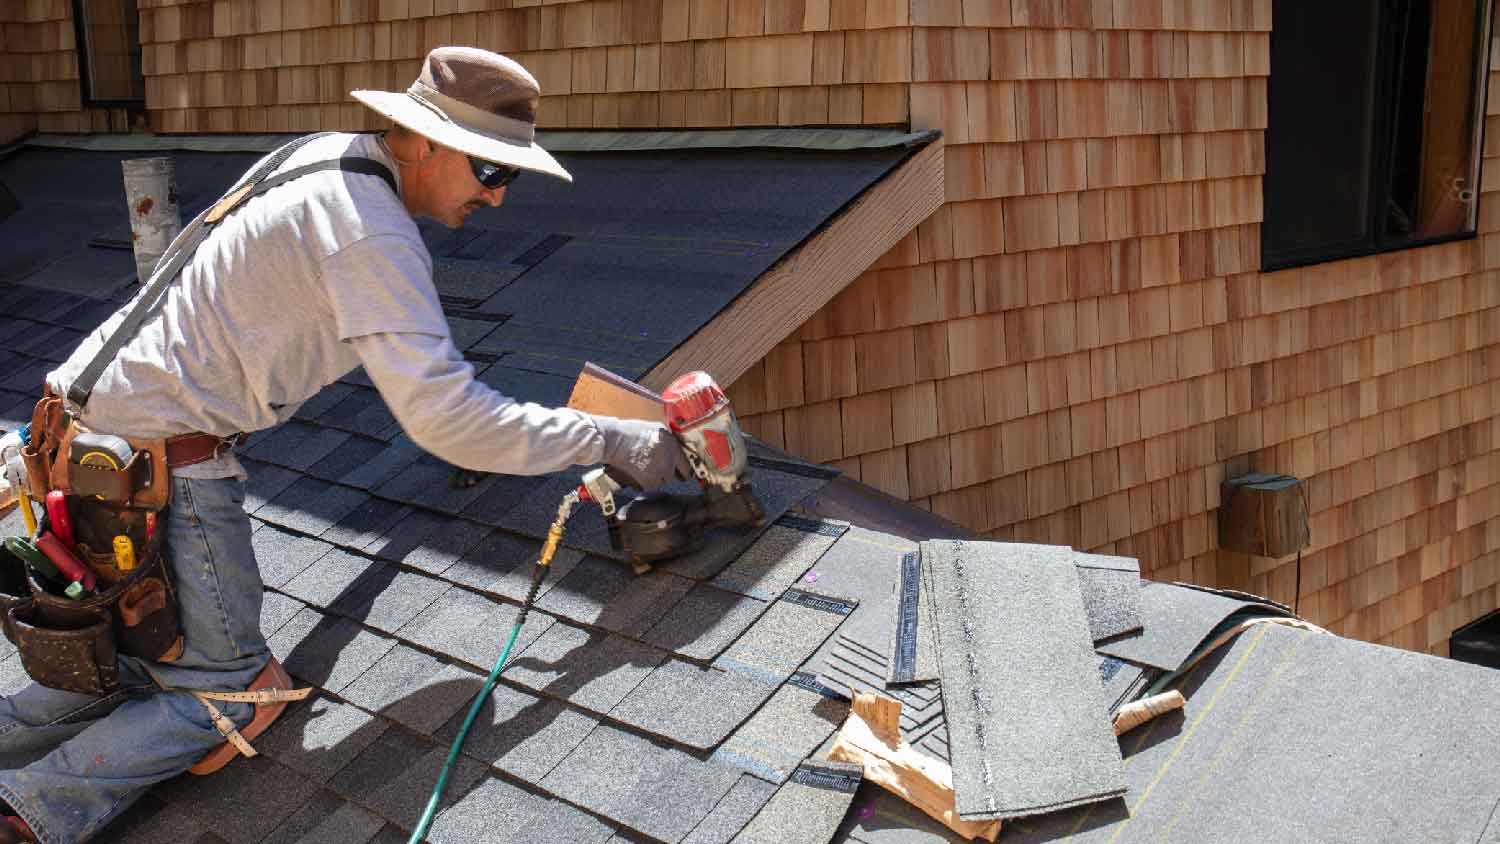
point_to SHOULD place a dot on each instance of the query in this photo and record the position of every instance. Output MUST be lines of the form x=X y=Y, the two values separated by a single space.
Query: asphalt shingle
x=319 y=737
x=521 y=734
x=414 y=689
x=591 y=669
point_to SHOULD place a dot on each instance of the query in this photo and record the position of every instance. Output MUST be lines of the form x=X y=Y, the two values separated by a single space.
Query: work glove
x=644 y=455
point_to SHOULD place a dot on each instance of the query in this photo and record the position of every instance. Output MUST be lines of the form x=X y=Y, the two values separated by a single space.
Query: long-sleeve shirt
x=293 y=290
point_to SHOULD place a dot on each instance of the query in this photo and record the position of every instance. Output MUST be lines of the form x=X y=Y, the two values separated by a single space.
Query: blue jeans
x=94 y=757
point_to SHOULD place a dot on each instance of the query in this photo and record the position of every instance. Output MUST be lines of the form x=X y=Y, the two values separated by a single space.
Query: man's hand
x=644 y=455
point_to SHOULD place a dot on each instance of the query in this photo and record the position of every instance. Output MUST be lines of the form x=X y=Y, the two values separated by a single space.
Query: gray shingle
x=363 y=411
x=352 y=456
x=501 y=564
x=366 y=524
x=425 y=482
x=374 y=471
x=320 y=403
x=1025 y=710
x=472 y=628
x=297 y=445
x=244 y=801
x=705 y=622
x=328 y=652
x=1111 y=593
x=520 y=733
x=335 y=575
x=1175 y=622
x=402 y=797
x=590 y=669
x=318 y=738
x=694 y=705
x=497 y=812
x=153 y=821
x=311 y=506
x=779 y=557
x=414 y=689
x=318 y=807
x=792 y=724
x=777 y=492
x=607 y=594
x=733 y=812
x=265 y=483
x=386 y=599
x=500 y=497
x=435 y=552
x=282 y=556
x=791 y=630
x=349 y=824
x=276 y=610
x=653 y=788
x=808 y=808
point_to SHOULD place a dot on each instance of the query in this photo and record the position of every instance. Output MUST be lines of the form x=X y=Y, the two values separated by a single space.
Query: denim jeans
x=96 y=756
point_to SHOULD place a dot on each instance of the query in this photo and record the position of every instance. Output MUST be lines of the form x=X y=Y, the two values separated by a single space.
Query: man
x=292 y=289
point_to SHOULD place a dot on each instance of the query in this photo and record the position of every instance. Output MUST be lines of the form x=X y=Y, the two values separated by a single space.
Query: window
x=1374 y=120
x=109 y=52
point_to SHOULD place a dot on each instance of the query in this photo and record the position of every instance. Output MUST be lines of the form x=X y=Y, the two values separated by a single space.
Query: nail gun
x=659 y=524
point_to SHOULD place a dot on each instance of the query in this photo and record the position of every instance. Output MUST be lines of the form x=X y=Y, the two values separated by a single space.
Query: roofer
x=291 y=288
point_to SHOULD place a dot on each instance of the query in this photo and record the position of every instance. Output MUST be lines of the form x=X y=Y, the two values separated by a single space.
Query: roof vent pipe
x=151 y=194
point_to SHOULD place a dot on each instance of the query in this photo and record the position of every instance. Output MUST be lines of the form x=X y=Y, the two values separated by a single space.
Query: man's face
x=450 y=191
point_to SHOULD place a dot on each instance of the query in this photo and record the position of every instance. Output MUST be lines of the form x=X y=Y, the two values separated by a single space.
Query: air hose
x=538 y=573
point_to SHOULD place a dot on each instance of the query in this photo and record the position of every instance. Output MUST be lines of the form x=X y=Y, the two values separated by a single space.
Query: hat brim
x=405 y=110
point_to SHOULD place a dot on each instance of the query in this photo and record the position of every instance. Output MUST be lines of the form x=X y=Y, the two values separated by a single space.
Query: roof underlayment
x=685 y=705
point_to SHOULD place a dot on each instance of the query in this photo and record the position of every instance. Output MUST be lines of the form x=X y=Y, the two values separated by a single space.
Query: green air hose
x=554 y=536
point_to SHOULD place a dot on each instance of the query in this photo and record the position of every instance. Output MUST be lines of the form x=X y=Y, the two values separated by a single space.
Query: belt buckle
x=224 y=444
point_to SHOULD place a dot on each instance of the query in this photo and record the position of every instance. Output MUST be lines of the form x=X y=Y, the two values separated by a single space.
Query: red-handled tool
x=57 y=516
x=66 y=561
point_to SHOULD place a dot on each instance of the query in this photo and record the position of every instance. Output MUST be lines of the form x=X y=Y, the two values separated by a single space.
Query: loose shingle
x=1025 y=710
x=657 y=789
x=414 y=689
x=705 y=621
x=318 y=738
x=520 y=733
x=808 y=808
x=472 y=628
x=1174 y=622
x=791 y=630
x=779 y=557
x=328 y=652
x=590 y=669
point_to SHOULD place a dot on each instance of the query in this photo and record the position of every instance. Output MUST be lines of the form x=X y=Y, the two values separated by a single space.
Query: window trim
x=1379 y=174
x=82 y=47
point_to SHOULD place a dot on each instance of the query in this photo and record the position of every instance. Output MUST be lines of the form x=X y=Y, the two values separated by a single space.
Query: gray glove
x=644 y=455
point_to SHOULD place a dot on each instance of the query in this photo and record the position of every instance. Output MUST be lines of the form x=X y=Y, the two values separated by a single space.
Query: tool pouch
x=68 y=648
x=14 y=590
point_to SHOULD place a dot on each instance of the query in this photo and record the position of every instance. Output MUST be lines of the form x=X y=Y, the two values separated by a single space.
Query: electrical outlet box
x=1264 y=515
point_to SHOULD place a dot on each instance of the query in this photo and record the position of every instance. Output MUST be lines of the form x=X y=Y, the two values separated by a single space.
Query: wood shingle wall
x=39 y=88
x=287 y=65
x=1079 y=347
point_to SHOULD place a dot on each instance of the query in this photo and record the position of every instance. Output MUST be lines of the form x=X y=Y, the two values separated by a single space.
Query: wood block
x=886 y=471
x=978 y=228
x=1030 y=222
x=932 y=350
x=1006 y=393
x=1036 y=110
x=707 y=19
x=991 y=111
x=943 y=106
x=746 y=18
x=1000 y=282
x=886 y=359
x=885 y=104
x=1008 y=54
x=928 y=467
x=1024 y=443
x=1067 y=166
x=755 y=107
x=785 y=16
x=937 y=13
x=880 y=14
x=976 y=343
x=974 y=455
x=802 y=106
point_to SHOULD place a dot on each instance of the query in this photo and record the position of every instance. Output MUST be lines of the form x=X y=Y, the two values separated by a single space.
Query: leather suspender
x=168 y=267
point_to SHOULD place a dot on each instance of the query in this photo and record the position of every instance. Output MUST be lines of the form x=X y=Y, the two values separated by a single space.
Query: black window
x=109 y=52
x=1478 y=642
x=1373 y=127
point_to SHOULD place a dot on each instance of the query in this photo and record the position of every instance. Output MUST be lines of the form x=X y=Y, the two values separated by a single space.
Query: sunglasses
x=491 y=175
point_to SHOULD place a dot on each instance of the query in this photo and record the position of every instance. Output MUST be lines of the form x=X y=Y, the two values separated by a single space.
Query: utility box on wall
x=1264 y=515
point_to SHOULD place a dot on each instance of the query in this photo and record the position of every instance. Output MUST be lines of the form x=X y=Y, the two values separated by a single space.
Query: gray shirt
x=290 y=292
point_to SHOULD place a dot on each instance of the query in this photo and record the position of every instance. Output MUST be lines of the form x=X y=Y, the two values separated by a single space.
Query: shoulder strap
x=167 y=269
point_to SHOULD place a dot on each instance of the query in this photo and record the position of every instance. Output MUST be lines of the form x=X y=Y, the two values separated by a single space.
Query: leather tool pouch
x=14 y=590
x=71 y=641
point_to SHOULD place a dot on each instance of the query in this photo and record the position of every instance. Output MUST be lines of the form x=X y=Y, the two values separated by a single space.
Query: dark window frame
x=1377 y=181
x=81 y=44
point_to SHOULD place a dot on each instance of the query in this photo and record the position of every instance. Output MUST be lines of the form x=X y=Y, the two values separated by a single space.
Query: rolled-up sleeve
x=432 y=392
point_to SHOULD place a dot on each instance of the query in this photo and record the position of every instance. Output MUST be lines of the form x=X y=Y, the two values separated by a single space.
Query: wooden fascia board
x=792 y=290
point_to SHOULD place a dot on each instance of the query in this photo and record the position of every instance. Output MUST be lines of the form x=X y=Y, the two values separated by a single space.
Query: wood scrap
x=871 y=738
x=1133 y=715
x=600 y=391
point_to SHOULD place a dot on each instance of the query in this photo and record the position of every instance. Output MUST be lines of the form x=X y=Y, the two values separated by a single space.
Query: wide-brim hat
x=477 y=102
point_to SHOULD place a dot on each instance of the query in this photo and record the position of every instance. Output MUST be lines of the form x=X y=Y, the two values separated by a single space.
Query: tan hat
x=477 y=102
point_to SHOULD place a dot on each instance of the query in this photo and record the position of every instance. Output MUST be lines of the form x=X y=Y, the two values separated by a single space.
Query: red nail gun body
x=661 y=524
